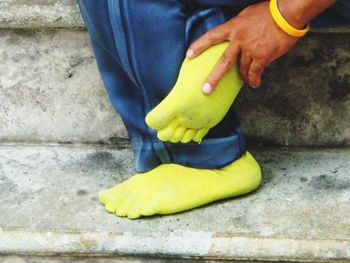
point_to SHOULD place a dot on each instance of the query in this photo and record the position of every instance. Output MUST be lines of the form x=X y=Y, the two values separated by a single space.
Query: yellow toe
x=200 y=134
x=178 y=134
x=160 y=117
x=103 y=197
x=135 y=211
x=166 y=133
x=150 y=208
x=110 y=208
x=189 y=134
x=125 y=206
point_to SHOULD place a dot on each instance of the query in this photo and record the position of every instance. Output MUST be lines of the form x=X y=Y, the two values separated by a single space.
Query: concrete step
x=60 y=14
x=39 y=14
x=82 y=259
x=49 y=207
x=51 y=91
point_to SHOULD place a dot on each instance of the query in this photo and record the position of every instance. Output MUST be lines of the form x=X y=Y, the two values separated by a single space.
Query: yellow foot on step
x=171 y=188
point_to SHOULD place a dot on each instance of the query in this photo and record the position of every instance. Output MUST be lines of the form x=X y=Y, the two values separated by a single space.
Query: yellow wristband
x=283 y=24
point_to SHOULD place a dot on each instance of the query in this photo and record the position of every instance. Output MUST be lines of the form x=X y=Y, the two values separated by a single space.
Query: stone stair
x=61 y=142
x=49 y=208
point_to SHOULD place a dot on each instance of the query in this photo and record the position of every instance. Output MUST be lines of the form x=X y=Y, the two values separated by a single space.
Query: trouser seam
x=162 y=152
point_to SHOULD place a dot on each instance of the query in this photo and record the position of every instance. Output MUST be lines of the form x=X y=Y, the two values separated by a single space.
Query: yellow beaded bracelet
x=283 y=24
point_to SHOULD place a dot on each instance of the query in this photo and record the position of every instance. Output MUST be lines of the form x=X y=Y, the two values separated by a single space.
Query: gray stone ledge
x=60 y=14
x=50 y=91
x=94 y=259
x=49 y=206
x=40 y=14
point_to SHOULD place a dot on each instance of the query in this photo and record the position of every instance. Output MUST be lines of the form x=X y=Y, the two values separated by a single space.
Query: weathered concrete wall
x=305 y=98
x=51 y=91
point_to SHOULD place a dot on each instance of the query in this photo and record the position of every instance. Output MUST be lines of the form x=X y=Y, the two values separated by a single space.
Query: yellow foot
x=186 y=113
x=172 y=188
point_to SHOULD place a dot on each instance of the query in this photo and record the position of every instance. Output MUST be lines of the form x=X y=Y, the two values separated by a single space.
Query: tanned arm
x=255 y=38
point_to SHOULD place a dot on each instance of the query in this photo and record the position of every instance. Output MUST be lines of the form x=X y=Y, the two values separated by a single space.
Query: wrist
x=283 y=23
x=294 y=12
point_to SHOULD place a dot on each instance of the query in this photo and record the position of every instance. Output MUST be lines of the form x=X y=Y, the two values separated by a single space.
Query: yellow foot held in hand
x=187 y=114
x=172 y=188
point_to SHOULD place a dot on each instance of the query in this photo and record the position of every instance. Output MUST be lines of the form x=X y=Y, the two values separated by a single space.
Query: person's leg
x=150 y=40
x=141 y=45
x=197 y=113
x=122 y=89
x=156 y=36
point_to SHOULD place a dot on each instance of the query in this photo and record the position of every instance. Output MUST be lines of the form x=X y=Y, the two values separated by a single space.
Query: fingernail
x=189 y=53
x=206 y=88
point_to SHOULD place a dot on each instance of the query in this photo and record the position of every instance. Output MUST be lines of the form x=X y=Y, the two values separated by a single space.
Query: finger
x=225 y=63
x=211 y=37
x=255 y=71
x=244 y=62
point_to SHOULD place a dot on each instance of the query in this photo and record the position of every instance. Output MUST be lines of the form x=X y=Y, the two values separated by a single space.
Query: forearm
x=299 y=12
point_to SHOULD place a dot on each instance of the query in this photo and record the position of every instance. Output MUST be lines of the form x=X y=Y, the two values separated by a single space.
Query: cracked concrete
x=49 y=205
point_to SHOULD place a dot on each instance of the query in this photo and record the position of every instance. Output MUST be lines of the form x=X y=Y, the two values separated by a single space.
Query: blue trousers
x=139 y=47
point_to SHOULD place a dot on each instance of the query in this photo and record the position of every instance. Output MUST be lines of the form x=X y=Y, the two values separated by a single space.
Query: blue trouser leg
x=139 y=46
x=122 y=90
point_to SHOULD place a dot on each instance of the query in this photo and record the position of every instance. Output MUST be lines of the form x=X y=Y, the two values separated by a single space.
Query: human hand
x=254 y=37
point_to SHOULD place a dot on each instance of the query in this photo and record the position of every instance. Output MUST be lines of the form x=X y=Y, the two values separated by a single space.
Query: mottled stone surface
x=65 y=259
x=56 y=14
x=305 y=97
x=50 y=90
x=39 y=13
x=48 y=205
